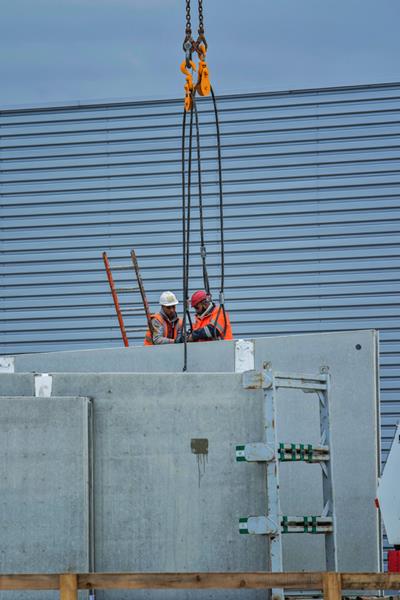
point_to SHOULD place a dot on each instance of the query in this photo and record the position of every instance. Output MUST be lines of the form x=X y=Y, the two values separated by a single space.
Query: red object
x=394 y=561
x=115 y=298
x=197 y=297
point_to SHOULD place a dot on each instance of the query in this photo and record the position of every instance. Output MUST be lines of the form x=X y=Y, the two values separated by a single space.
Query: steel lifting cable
x=186 y=233
x=221 y=215
x=186 y=212
x=190 y=104
x=203 y=251
x=184 y=243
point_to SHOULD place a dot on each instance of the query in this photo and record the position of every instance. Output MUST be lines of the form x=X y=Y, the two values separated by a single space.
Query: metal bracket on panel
x=300 y=381
x=256 y=380
x=43 y=385
x=7 y=364
x=256 y=452
x=262 y=525
x=258 y=526
x=244 y=355
x=306 y=524
x=303 y=452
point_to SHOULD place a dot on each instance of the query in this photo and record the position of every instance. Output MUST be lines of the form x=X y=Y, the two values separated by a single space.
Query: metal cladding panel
x=311 y=192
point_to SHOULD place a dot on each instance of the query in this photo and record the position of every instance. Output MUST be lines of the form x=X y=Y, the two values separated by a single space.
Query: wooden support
x=332 y=586
x=68 y=586
x=331 y=583
x=231 y=580
x=371 y=581
x=29 y=582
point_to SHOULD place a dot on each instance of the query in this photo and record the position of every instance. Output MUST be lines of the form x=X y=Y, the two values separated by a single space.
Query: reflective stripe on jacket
x=164 y=330
x=216 y=318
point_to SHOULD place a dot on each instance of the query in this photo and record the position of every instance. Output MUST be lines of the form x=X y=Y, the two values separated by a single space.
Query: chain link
x=189 y=45
x=188 y=30
x=201 y=22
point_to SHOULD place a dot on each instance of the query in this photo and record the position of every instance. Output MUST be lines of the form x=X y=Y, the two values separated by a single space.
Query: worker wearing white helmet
x=166 y=325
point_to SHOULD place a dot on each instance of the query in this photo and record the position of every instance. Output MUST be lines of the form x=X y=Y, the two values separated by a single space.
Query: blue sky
x=54 y=51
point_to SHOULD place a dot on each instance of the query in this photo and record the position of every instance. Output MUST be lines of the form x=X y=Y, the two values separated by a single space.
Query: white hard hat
x=168 y=299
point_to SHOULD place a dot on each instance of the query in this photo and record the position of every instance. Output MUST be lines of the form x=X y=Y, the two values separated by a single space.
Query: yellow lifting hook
x=189 y=85
x=203 y=85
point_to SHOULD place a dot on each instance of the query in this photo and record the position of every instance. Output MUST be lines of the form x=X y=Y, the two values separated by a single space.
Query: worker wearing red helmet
x=211 y=321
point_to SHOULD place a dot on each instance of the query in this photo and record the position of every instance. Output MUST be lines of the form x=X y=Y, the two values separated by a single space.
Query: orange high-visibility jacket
x=217 y=318
x=164 y=328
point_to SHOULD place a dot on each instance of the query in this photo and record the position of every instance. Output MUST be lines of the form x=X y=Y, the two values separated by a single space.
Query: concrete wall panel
x=159 y=506
x=44 y=481
x=135 y=359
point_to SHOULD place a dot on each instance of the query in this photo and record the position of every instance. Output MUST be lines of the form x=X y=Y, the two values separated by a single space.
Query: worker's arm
x=209 y=332
x=158 y=337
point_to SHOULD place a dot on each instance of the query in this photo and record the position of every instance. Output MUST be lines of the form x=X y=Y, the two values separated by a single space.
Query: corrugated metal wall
x=311 y=181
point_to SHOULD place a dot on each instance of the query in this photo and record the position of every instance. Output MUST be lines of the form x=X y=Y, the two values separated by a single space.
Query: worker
x=211 y=321
x=167 y=327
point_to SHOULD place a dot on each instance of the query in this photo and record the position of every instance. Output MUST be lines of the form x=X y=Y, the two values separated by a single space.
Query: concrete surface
x=160 y=506
x=44 y=482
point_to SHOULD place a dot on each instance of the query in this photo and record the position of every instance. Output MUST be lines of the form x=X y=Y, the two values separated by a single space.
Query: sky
x=56 y=51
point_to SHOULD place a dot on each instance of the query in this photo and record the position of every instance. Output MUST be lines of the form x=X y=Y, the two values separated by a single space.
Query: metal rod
x=142 y=292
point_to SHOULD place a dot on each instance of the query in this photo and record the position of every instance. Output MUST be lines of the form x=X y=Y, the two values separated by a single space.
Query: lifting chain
x=202 y=86
x=188 y=42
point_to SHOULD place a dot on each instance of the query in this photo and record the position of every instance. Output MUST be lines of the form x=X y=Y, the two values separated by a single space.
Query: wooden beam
x=371 y=581
x=68 y=586
x=332 y=586
x=232 y=580
x=29 y=582
x=331 y=583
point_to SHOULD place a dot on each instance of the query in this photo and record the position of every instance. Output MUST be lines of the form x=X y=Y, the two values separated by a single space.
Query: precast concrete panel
x=168 y=492
x=23 y=386
x=144 y=427
x=218 y=357
x=135 y=359
x=44 y=481
x=351 y=359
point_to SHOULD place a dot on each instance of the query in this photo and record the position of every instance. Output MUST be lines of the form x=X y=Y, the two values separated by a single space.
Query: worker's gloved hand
x=179 y=340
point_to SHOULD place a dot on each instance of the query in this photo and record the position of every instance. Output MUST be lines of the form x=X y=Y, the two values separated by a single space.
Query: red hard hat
x=197 y=297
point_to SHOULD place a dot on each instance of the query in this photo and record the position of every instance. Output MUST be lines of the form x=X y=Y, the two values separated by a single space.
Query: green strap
x=310 y=452
x=314 y=524
x=282 y=452
x=302 y=453
x=305 y=524
x=293 y=451
x=284 y=524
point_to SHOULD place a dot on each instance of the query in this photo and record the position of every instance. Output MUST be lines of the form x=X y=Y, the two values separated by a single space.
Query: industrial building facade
x=312 y=217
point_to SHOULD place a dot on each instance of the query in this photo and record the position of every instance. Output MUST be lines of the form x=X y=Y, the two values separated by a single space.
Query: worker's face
x=201 y=307
x=170 y=311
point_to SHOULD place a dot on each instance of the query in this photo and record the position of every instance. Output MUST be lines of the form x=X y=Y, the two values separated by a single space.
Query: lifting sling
x=203 y=88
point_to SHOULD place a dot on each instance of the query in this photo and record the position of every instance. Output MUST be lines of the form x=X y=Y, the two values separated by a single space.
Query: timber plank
x=29 y=582
x=231 y=580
